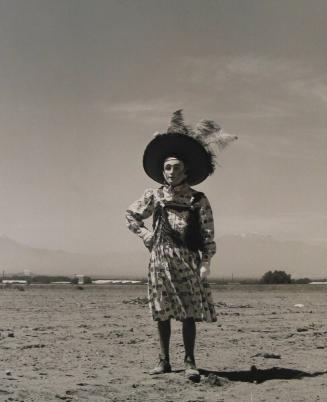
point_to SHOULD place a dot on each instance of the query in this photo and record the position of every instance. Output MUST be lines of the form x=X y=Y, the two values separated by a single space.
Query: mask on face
x=174 y=171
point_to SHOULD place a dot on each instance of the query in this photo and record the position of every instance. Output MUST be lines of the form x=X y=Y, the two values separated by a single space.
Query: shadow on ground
x=260 y=376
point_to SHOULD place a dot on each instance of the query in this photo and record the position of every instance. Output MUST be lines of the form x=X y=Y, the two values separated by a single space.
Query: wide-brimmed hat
x=193 y=147
x=181 y=146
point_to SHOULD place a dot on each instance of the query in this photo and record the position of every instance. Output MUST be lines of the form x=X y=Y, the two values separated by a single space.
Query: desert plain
x=98 y=343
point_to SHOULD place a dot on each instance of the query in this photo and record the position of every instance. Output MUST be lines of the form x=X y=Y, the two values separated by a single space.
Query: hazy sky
x=84 y=85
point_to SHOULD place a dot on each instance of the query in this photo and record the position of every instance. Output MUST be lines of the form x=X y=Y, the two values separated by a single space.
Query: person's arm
x=137 y=212
x=207 y=234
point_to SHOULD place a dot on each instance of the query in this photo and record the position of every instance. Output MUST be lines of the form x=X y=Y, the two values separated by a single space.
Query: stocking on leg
x=164 y=330
x=189 y=334
x=164 y=339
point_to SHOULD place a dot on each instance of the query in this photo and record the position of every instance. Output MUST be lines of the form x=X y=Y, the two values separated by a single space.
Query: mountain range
x=238 y=256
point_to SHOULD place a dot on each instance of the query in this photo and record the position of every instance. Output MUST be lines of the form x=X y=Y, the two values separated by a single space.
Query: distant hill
x=242 y=256
x=16 y=257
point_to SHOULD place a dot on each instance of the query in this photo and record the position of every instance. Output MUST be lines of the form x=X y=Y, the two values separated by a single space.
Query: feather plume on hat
x=198 y=147
x=213 y=138
x=210 y=133
x=177 y=124
x=207 y=132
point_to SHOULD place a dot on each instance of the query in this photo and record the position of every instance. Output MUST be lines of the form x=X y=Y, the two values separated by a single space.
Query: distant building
x=114 y=281
x=80 y=279
x=14 y=281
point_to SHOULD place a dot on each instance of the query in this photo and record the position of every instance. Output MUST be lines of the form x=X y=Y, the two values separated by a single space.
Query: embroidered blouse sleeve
x=207 y=229
x=138 y=211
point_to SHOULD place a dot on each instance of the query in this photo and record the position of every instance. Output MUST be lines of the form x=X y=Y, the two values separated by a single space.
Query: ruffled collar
x=181 y=188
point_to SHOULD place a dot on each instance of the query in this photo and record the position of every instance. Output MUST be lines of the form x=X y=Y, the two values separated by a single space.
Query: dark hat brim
x=198 y=161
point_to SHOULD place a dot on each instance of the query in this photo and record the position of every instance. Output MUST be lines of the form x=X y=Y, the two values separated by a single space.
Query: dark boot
x=162 y=367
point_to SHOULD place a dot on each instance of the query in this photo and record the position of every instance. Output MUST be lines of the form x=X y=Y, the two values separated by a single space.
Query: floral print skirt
x=175 y=289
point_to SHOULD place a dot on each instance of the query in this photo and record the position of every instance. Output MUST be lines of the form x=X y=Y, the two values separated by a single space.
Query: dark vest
x=192 y=237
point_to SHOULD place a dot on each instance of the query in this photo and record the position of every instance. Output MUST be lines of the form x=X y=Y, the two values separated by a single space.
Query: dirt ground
x=99 y=342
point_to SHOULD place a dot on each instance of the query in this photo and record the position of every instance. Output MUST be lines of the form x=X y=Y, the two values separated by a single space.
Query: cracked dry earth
x=62 y=343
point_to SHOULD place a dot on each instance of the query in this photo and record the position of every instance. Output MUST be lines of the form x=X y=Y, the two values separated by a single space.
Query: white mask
x=174 y=171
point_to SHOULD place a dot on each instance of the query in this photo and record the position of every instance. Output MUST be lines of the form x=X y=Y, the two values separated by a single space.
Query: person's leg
x=164 y=330
x=189 y=334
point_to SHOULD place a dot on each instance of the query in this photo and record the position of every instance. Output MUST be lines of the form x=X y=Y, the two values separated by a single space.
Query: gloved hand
x=204 y=269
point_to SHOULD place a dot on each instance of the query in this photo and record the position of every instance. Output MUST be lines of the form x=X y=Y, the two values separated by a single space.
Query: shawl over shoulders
x=144 y=207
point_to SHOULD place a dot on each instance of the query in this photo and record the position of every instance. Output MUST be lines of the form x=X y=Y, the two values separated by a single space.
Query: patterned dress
x=175 y=289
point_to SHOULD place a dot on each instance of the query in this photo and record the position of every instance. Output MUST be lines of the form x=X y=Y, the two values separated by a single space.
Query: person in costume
x=181 y=241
